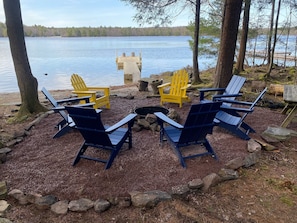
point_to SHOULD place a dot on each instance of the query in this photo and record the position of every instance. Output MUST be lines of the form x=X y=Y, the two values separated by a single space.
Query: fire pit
x=146 y=118
x=143 y=111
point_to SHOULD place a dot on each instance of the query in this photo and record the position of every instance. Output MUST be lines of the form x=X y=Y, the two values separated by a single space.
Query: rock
x=3 y=190
x=4 y=220
x=124 y=202
x=279 y=133
x=36 y=121
x=101 y=205
x=12 y=142
x=253 y=146
x=2 y=157
x=31 y=197
x=172 y=114
x=180 y=190
x=251 y=159
x=45 y=202
x=269 y=139
x=4 y=206
x=266 y=146
x=228 y=174
x=155 y=127
x=60 y=207
x=80 y=205
x=5 y=150
x=235 y=163
x=148 y=199
x=19 y=196
x=3 y=154
x=195 y=184
x=210 y=181
x=151 y=118
x=143 y=123
x=136 y=127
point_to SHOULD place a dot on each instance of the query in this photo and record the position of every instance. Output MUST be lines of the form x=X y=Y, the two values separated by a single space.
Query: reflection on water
x=54 y=60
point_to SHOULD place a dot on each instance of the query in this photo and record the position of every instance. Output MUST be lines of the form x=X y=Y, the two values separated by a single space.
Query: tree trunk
x=196 y=77
x=244 y=37
x=270 y=33
x=26 y=81
x=224 y=68
x=274 y=41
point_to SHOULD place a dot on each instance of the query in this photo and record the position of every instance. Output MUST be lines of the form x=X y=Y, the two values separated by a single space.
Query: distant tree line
x=42 y=31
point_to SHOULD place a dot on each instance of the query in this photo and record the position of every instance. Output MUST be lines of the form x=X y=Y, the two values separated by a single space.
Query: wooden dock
x=277 y=55
x=132 y=67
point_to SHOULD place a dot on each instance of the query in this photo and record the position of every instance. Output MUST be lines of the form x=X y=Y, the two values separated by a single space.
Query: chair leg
x=247 y=127
x=113 y=154
x=62 y=131
x=180 y=157
x=81 y=151
x=210 y=149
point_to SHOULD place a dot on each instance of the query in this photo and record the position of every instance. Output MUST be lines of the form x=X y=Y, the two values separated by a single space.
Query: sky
x=80 y=13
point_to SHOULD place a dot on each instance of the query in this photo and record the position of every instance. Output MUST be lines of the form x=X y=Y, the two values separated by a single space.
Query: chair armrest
x=236 y=102
x=235 y=109
x=164 y=85
x=211 y=89
x=84 y=92
x=164 y=118
x=203 y=90
x=185 y=87
x=97 y=88
x=105 y=89
x=122 y=122
x=225 y=96
x=60 y=108
x=85 y=98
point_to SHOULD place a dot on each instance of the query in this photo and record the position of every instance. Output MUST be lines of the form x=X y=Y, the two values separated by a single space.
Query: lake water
x=54 y=59
x=93 y=59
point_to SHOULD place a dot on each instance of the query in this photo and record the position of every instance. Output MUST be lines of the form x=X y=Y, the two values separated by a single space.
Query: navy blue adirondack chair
x=231 y=91
x=232 y=118
x=96 y=135
x=66 y=123
x=199 y=123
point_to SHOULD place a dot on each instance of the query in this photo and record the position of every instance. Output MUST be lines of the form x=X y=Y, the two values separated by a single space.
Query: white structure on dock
x=131 y=66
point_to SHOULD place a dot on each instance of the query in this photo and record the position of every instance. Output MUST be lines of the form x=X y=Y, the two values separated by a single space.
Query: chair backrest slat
x=78 y=83
x=234 y=85
x=88 y=122
x=53 y=102
x=199 y=122
x=180 y=79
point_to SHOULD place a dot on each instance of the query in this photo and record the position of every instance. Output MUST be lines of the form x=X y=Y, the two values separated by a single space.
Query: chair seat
x=227 y=118
x=117 y=135
x=232 y=118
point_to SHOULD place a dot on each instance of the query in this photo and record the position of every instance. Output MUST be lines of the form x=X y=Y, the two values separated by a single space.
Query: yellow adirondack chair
x=178 y=87
x=81 y=89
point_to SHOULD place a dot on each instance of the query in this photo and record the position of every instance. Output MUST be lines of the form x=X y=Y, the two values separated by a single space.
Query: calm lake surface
x=93 y=59
x=54 y=59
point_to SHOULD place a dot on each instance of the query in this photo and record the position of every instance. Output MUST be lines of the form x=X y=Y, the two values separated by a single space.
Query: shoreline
x=14 y=98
